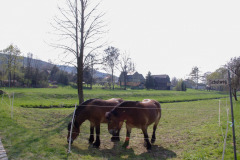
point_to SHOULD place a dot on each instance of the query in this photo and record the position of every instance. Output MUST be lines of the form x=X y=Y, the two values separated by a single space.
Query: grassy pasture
x=187 y=130
x=67 y=96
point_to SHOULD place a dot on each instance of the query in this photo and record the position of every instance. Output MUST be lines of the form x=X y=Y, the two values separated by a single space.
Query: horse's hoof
x=96 y=145
x=149 y=147
x=115 y=139
x=90 y=141
x=153 y=141
x=145 y=144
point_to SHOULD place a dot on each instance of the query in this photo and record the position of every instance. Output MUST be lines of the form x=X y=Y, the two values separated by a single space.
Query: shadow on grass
x=118 y=152
x=33 y=141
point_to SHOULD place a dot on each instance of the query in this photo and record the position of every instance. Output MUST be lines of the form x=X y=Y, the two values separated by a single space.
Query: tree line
x=232 y=66
x=17 y=70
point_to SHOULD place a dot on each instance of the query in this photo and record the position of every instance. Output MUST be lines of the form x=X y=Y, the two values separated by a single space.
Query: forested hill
x=43 y=65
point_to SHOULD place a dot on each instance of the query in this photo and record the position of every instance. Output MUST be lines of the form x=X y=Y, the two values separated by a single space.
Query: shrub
x=181 y=86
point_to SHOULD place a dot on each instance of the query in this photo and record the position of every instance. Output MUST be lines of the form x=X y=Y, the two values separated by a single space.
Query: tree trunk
x=235 y=94
x=9 y=81
x=91 y=72
x=80 y=84
x=112 y=81
x=80 y=61
x=125 y=81
x=9 y=72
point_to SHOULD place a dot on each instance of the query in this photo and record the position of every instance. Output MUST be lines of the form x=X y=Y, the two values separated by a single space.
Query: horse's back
x=141 y=113
x=152 y=110
x=98 y=107
x=115 y=100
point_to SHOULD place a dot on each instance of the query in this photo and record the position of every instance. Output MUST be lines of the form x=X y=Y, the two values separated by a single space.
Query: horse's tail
x=158 y=109
x=157 y=104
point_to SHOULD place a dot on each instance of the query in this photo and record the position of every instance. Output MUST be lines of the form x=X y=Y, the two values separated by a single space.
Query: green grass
x=67 y=96
x=187 y=130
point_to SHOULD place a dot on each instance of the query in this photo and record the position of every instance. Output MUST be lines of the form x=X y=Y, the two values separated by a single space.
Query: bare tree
x=83 y=27
x=12 y=55
x=195 y=75
x=111 y=60
x=127 y=66
x=91 y=60
x=234 y=67
x=36 y=74
x=174 y=81
x=29 y=69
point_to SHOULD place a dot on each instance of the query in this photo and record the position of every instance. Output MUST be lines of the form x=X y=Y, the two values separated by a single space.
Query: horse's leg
x=149 y=146
x=126 y=143
x=91 y=138
x=154 y=131
x=97 y=142
x=115 y=137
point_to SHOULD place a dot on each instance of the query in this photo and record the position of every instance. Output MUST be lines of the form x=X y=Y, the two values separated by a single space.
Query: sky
x=161 y=36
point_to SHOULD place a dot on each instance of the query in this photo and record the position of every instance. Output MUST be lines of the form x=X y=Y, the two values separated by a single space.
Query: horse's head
x=75 y=131
x=113 y=122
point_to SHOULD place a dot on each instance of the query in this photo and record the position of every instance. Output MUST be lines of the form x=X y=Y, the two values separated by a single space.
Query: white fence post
x=70 y=138
x=225 y=138
x=219 y=118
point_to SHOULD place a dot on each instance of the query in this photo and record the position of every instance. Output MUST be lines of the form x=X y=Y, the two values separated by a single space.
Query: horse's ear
x=107 y=115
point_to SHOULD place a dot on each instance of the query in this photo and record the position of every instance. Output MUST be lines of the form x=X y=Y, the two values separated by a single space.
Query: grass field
x=67 y=96
x=188 y=130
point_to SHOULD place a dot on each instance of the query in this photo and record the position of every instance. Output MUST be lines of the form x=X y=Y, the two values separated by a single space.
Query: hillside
x=43 y=64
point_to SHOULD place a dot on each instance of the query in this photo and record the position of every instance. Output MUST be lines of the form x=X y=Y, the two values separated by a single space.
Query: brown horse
x=136 y=115
x=93 y=110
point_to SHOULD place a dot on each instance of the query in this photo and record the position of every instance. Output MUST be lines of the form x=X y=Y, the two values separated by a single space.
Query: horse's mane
x=128 y=104
x=83 y=105
x=124 y=104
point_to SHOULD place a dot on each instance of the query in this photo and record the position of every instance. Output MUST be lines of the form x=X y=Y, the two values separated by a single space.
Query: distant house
x=189 y=83
x=201 y=86
x=161 y=82
x=132 y=80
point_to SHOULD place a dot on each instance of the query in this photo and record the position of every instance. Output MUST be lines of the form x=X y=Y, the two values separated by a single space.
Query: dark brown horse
x=136 y=115
x=93 y=110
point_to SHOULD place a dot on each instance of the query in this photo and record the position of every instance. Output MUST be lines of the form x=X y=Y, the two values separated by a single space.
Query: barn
x=132 y=80
x=161 y=82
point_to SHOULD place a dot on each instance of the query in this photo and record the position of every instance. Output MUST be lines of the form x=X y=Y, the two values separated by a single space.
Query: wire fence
x=221 y=110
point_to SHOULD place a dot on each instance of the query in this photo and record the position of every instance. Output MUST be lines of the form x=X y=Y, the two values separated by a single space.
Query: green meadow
x=67 y=96
x=192 y=127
